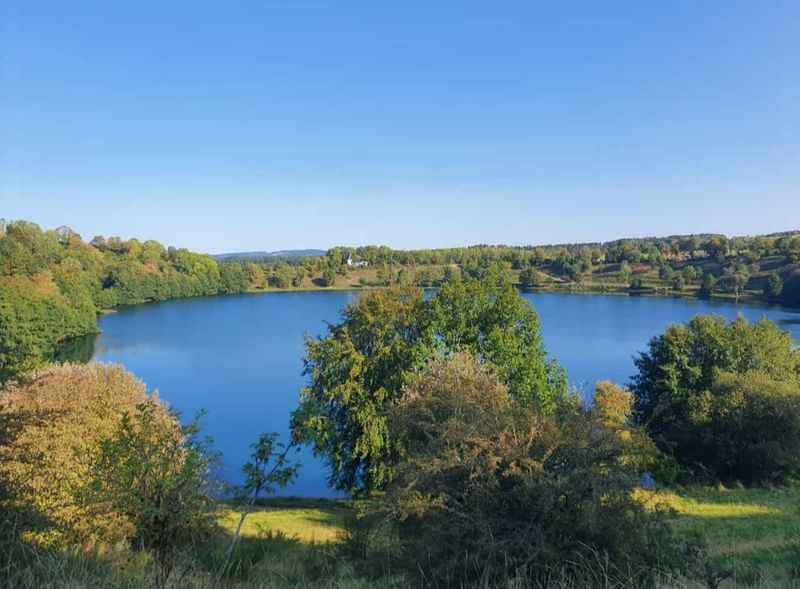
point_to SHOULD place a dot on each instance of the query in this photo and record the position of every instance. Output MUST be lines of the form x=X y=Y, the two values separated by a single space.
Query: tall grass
x=754 y=534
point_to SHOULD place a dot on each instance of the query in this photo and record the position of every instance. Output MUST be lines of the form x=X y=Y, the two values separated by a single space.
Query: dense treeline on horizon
x=765 y=267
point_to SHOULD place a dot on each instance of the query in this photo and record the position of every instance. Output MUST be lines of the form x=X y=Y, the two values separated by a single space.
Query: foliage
x=720 y=396
x=157 y=475
x=489 y=486
x=359 y=368
x=89 y=460
x=747 y=428
x=625 y=272
x=355 y=372
x=49 y=428
x=675 y=262
x=269 y=469
x=329 y=277
x=53 y=284
x=774 y=286
x=707 y=285
x=493 y=322
x=529 y=278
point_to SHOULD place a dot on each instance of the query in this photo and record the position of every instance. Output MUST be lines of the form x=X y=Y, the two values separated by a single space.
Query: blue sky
x=229 y=126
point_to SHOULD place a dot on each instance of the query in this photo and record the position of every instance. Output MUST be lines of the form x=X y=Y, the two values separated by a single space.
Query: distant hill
x=280 y=254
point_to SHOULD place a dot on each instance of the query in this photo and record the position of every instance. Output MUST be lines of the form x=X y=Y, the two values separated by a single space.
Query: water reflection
x=78 y=350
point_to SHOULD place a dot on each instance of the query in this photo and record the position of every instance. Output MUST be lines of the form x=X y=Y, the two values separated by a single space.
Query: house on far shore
x=359 y=264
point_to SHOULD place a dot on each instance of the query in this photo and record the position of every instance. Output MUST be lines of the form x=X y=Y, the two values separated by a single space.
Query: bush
x=89 y=460
x=157 y=475
x=49 y=428
x=773 y=287
x=715 y=395
x=747 y=428
x=492 y=489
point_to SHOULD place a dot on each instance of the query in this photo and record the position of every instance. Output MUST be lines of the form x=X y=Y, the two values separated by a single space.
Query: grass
x=755 y=533
x=288 y=543
x=307 y=522
x=293 y=543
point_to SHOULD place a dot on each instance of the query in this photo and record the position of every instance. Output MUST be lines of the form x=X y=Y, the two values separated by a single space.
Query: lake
x=240 y=357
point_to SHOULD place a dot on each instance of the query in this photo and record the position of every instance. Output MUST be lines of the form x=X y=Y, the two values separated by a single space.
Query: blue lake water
x=240 y=357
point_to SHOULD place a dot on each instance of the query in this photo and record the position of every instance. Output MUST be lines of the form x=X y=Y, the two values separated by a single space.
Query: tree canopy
x=358 y=369
x=53 y=284
x=705 y=392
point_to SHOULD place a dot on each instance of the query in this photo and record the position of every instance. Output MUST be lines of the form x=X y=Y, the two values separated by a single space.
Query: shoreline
x=572 y=289
x=744 y=298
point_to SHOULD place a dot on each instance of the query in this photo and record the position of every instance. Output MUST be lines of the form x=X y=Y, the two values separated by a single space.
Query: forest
x=53 y=284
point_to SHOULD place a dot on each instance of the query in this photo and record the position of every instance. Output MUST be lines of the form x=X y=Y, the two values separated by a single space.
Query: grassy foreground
x=753 y=535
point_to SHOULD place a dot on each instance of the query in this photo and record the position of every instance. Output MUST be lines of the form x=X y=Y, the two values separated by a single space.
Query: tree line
x=766 y=267
x=53 y=284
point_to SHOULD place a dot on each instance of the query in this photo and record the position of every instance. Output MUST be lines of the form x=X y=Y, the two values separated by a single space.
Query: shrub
x=494 y=489
x=746 y=428
x=773 y=287
x=88 y=459
x=715 y=394
x=49 y=427
x=157 y=475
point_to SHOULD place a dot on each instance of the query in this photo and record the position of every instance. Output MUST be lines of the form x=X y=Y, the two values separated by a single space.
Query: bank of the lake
x=587 y=288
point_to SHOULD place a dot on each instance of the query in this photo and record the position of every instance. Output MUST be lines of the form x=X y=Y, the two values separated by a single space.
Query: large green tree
x=358 y=369
x=696 y=377
x=492 y=321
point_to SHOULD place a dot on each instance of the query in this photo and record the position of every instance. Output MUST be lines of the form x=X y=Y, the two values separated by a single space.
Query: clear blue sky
x=229 y=126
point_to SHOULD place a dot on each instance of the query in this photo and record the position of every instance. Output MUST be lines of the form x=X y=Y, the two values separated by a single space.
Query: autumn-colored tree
x=51 y=428
x=491 y=488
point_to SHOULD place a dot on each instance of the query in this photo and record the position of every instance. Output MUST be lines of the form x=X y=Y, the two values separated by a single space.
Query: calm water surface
x=240 y=357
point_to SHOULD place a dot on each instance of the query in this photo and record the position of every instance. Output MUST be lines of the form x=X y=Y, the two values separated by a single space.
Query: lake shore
x=565 y=288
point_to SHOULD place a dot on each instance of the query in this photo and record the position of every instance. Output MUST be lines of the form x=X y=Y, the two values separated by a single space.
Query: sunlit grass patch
x=304 y=524
x=751 y=531
x=706 y=508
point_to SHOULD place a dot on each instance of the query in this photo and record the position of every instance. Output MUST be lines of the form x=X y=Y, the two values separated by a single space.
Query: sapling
x=270 y=468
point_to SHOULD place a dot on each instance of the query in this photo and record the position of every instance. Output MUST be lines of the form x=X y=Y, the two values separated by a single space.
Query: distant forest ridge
x=285 y=254
x=308 y=253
